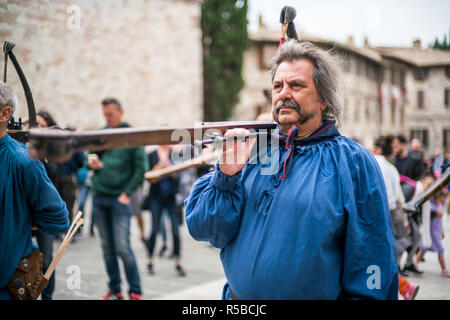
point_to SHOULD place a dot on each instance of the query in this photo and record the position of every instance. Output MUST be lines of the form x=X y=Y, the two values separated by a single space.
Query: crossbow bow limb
x=14 y=128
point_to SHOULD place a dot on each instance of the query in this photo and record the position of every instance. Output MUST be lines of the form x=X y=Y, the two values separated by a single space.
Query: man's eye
x=276 y=86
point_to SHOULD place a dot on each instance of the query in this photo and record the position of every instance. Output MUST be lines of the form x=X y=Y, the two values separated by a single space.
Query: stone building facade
x=379 y=88
x=74 y=53
x=426 y=94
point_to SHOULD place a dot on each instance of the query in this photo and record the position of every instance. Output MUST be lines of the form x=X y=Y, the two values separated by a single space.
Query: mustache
x=287 y=103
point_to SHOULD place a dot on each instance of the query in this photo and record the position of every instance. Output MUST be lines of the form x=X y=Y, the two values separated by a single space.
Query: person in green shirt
x=117 y=175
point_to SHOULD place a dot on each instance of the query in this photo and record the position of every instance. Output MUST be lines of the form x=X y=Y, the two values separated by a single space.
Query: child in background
x=437 y=232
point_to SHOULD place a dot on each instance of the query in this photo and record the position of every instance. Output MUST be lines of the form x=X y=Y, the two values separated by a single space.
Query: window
x=268 y=94
x=420 y=73
x=368 y=70
x=402 y=116
x=446 y=140
x=376 y=72
x=359 y=66
x=258 y=110
x=346 y=64
x=372 y=71
x=393 y=112
x=261 y=60
x=392 y=75
x=380 y=114
x=421 y=134
x=381 y=74
x=447 y=98
x=420 y=99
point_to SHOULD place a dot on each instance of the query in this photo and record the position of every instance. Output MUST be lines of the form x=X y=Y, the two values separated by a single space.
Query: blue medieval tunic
x=27 y=197
x=317 y=227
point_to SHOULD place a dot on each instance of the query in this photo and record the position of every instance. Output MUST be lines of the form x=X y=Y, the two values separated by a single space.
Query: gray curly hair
x=7 y=97
x=325 y=74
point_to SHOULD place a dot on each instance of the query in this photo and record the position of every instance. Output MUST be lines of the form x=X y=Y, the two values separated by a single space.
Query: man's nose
x=285 y=92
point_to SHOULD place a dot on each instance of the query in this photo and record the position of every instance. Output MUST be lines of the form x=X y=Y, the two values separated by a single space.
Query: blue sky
x=384 y=22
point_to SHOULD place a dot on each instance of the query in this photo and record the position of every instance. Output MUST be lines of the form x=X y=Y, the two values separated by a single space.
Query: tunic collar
x=326 y=131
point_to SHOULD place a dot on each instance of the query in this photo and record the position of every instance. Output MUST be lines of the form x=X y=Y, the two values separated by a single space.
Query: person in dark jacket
x=161 y=197
x=407 y=165
x=63 y=174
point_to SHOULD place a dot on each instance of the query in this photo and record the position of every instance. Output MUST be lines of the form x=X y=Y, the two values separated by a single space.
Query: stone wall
x=434 y=116
x=147 y=53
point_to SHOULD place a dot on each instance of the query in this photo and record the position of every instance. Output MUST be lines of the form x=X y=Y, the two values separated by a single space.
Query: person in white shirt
x=383 y=148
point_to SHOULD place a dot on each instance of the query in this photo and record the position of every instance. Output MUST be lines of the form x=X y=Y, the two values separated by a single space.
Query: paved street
x=205 y=277
x=201 y=262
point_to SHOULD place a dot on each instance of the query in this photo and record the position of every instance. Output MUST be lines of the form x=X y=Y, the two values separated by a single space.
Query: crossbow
x=58 y=145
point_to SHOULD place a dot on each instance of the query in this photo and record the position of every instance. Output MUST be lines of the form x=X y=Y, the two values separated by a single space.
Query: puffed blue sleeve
x=370 y=266
x=49 y=212
x=213 y=208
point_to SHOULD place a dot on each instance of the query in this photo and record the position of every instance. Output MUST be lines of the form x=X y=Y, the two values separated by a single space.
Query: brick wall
x=147 y=53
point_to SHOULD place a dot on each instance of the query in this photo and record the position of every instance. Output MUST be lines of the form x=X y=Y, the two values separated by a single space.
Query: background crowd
x=407 y=174
x=114 y=181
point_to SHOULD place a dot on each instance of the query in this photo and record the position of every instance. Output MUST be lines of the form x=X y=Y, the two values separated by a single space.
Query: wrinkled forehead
x=301 y=69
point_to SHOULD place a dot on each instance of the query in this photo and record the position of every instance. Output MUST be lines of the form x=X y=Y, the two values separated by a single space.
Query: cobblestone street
x=200 y=261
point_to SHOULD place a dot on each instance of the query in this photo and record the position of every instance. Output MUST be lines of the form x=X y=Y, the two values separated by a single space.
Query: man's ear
x=5 y=114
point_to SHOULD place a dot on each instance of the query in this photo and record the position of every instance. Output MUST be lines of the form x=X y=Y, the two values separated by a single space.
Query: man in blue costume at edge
x=318 y=227
x=27 y=196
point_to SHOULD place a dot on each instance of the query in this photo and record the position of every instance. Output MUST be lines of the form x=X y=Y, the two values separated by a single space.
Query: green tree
x=444 y=45
x=225 y=38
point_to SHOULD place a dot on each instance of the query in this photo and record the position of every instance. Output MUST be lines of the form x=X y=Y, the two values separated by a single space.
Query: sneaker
x=413 y=268
x=163 y=249
x=112 y=296
x=404 y=273
x=150 y=269
x=180 y=271
x=91 y=231
x=411 y=293
x=445 y=273
x=135 y=296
